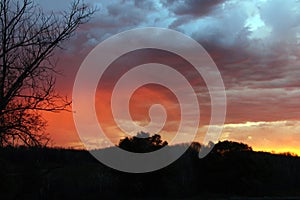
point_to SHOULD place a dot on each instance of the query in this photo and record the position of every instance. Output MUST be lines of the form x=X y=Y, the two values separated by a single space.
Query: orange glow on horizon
x=250 y=119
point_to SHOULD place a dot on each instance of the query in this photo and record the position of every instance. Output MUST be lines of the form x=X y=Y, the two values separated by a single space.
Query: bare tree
x=28 y=38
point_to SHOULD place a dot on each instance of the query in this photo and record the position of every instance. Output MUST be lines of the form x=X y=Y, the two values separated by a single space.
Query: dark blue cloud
x=255 y=43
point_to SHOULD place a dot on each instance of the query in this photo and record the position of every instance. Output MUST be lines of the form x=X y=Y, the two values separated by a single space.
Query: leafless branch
x=28 y=37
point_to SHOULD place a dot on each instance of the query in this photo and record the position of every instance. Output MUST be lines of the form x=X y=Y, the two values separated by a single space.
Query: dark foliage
x=230 y=170
x=142 y=143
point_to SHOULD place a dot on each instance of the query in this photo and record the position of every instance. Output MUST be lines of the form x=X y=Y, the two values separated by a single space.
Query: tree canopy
x=142 y=143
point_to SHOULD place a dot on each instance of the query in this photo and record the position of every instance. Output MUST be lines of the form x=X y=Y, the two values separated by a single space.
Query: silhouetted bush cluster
x=142 y=143
x=231 y=169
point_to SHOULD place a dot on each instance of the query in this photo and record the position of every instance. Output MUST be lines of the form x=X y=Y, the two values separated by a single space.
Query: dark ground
x=230 y=171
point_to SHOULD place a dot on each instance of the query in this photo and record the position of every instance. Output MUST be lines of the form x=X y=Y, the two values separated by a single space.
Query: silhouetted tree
x=28 y=37
x=142 y=143
x=229 y=146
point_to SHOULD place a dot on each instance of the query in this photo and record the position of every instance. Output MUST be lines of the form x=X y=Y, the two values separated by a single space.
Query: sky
x=254 y=43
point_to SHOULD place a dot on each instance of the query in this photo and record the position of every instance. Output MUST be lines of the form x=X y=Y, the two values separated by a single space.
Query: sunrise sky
x=254 y=43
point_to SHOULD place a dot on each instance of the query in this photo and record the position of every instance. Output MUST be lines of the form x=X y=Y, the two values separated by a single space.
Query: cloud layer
x=255 y=44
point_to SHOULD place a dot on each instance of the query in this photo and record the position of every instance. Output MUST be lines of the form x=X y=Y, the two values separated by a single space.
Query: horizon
x=272 y=152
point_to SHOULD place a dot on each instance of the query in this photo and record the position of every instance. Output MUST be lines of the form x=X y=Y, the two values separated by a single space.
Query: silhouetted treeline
x=230 y=170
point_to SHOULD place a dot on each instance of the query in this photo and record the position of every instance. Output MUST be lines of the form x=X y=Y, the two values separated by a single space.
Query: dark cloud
x=255 y=48
x=197 y=8
x=255 y=44
x=193 y=7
